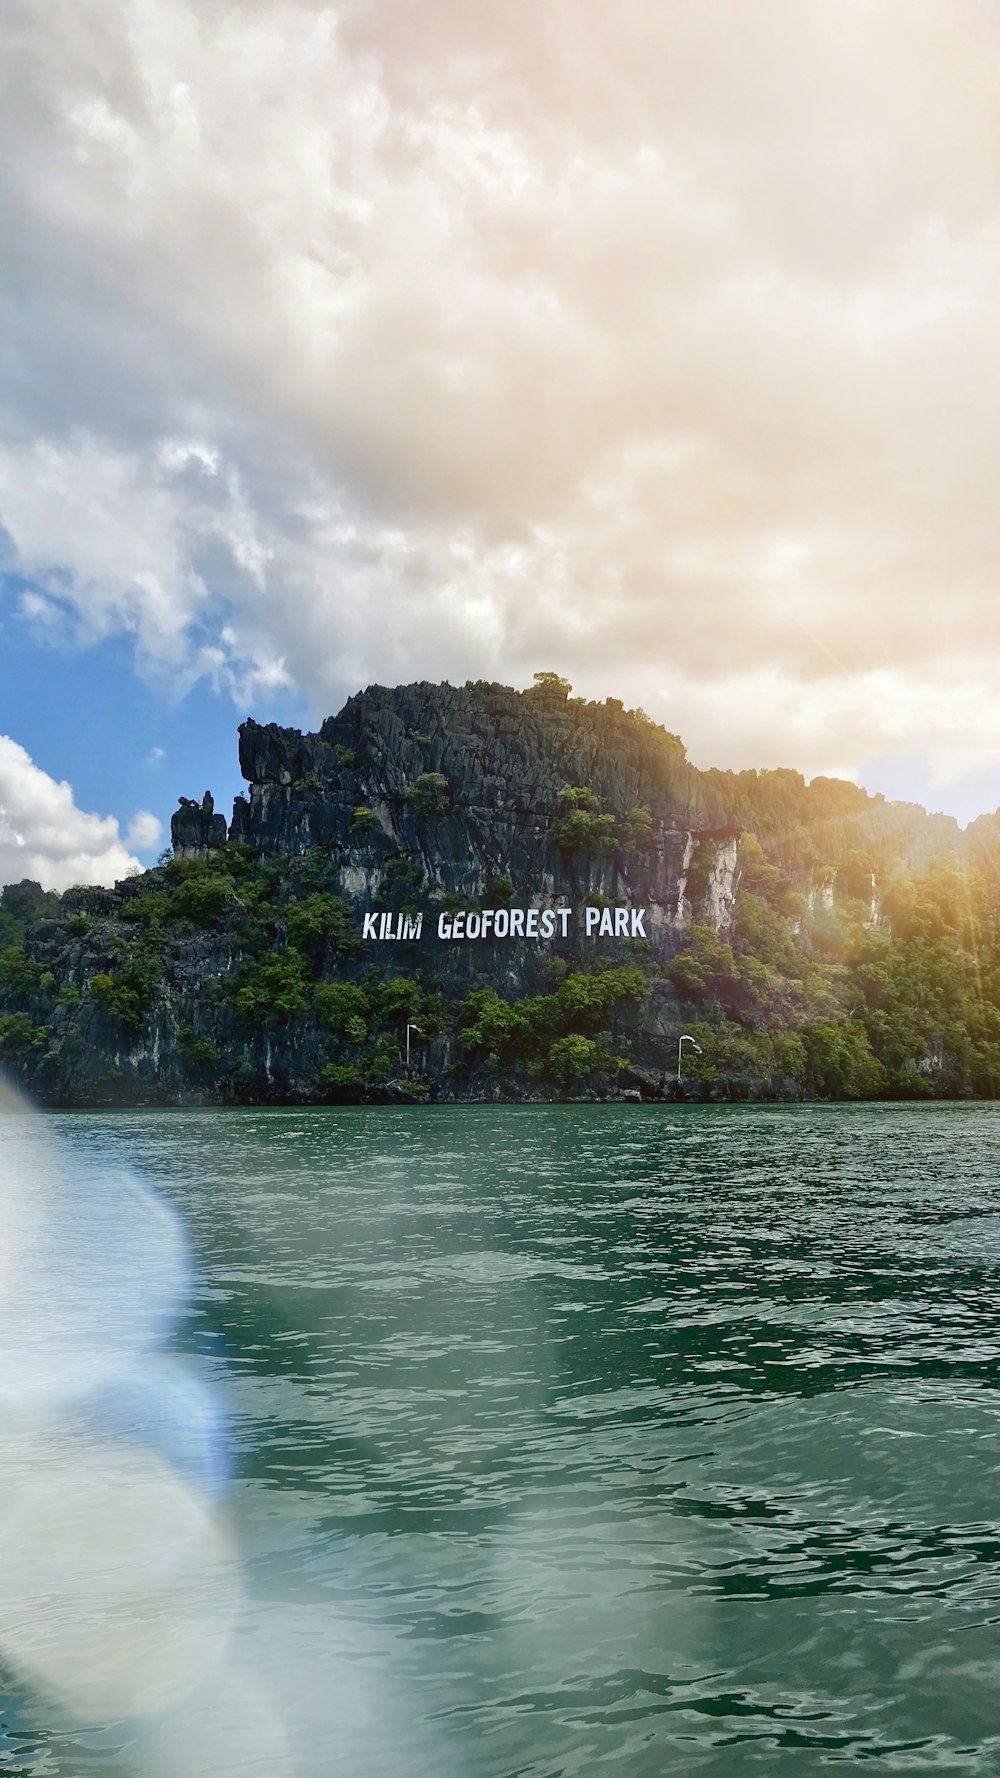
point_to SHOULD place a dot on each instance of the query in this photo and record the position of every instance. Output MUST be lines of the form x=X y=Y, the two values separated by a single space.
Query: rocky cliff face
x=505 y=758
x=196 y=831
x=251 y=968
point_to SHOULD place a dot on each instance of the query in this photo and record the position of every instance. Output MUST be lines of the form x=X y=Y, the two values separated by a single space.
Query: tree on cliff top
x=550 y=683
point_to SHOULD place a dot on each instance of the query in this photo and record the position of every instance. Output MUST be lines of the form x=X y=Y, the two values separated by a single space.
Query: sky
x=653 y=344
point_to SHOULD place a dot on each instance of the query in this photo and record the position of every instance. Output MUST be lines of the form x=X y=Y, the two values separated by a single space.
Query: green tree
x=321 y=924
x=271 y=989
x=199 y=1056
x=839 y=1062
x=429 y=795
x=550 y=684
x=20 y=1036
x=581 y=826
x=145 y=910
x=493 y=1025
x=705 y=967
x=341 y=1080
x=127 y=993
x=18 y=972
x=571 y=1058
x=342 y=1007
x=398 y=998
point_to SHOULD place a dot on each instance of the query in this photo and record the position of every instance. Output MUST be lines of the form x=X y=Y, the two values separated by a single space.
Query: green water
x=610 y=1440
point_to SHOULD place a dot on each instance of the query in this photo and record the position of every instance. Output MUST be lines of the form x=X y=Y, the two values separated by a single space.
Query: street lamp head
x=681 y=1041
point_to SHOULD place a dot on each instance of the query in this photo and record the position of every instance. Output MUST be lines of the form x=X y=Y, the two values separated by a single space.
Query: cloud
x=144 y=831
x=43 y=835
x=656 y=345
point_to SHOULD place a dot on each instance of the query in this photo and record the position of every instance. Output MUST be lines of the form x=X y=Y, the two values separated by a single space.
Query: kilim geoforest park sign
x=493 y=923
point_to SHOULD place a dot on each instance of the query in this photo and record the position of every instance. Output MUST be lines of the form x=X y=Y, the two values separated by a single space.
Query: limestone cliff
x=505 y=758
x=240 y=971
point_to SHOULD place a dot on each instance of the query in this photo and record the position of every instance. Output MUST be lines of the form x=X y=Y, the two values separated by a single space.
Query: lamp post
x=682 y=1039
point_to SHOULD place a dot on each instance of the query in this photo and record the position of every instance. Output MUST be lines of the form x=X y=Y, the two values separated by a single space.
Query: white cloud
x=758 y=717
x=43 y=835
x=144 y=831
x=653 y=344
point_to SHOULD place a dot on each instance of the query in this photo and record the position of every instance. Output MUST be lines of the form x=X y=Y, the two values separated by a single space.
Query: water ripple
x=596 y=1441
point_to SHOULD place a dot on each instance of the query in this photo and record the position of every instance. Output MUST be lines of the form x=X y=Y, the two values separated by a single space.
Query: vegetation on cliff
x=295 y=972
x=906 y=1008
x=813 y=939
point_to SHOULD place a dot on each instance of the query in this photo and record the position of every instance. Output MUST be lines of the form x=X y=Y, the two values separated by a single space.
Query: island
x=477 y=893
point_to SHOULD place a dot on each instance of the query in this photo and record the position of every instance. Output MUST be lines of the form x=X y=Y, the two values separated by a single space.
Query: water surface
x=577 y=1441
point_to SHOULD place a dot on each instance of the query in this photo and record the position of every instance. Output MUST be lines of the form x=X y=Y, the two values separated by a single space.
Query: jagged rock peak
x=195 y=829
x=497 y=747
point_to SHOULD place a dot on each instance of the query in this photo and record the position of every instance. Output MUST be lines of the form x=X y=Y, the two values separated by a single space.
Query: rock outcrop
x=241 y=971
x=505 y=756
x=196 y=831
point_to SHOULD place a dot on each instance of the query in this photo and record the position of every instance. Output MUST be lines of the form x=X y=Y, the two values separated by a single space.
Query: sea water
x=572 y=1441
